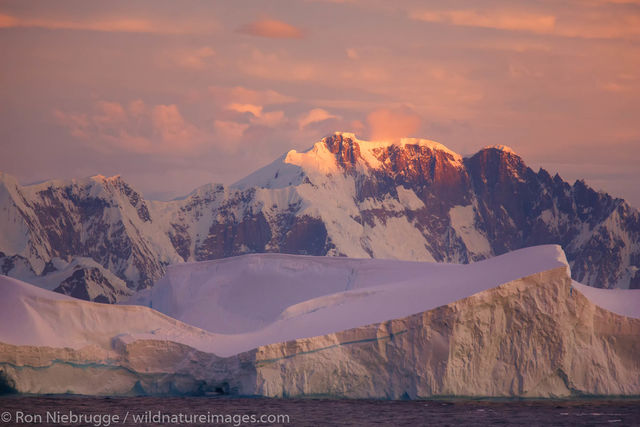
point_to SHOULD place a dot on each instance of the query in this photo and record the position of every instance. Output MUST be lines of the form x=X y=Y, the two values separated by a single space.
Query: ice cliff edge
x=516 y=329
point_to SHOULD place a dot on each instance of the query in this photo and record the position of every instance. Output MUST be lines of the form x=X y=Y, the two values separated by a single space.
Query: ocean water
x=154 y=411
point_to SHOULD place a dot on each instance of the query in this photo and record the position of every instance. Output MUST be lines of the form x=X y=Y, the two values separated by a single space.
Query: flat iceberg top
x=625 y=302
x=30 y=315
x=260 y=299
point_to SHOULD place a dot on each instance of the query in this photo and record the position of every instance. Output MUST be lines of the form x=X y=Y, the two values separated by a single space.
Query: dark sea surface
x=43 y=410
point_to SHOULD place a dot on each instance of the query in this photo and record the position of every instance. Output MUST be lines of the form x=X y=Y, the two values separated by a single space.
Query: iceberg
x=280 y=325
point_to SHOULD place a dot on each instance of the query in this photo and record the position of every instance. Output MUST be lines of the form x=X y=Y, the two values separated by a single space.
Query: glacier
x=280 y=325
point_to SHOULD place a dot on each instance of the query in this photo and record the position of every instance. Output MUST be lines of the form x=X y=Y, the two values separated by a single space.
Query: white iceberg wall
x=531 y=337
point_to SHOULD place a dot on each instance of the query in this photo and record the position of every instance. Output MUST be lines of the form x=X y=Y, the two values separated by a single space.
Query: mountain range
x=98 y=239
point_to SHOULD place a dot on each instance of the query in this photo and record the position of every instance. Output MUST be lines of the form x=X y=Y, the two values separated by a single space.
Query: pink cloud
x=604 y=24
x=117 y=24
x=78 y=124
x=315 y=116
x=596 y=21
x=172 y=128
x=243 y=95
x=258 y=116
x=270 y=119
x=282 y=66
x=497 y=19
x=8 y=21
x=228 y=133
x=272 y=28
x=137 y=128
x=137 y=108
x=621 y=1
x=256 y=110
x=390 y=124
x=109 y=112
x=195 y=59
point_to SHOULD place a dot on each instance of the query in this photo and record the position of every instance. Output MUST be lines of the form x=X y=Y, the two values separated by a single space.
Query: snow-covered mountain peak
x=6 y=178
x=92 y=186
x=434 y=145
x=343 y=152
x=100 y=177
x=347 y=146
x=318 y=159
x=501 y=148
x=350 y=137
x=204 y=192
x=8 y=187
x=345 y=135
x=498 y=164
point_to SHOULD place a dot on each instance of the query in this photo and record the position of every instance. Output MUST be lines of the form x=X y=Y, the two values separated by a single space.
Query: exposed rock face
x=531 y=337
x=416 y=200
x=81 y=278
x=99 y=218
x=90 y=284
x=413 y=200
x=520 y=208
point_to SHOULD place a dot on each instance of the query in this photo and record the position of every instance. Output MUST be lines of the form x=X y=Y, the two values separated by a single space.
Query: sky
x=176 y=94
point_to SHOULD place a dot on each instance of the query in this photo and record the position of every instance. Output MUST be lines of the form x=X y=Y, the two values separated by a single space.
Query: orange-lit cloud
x=258 y=116
x=391 y=124
x=228 y=133
x=123 y=25
x=280 y=65
x=137 y=108
x=109 y=113
x=270 y=119
x=137 y=128
x=8 y=21
x=597 y=21
x=256 y=110
x=172 y=127
x=352 y=53
x=621 y=1
x=195 y=59
x=272 y=28
x=242 y=100
x=497 y=19
x=242 y=95
x=111 y=23
x=334 y=1
x=597 y=24
x=315 y=116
